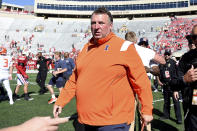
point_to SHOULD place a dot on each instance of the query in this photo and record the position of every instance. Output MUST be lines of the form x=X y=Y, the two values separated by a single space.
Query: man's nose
x=97 y=26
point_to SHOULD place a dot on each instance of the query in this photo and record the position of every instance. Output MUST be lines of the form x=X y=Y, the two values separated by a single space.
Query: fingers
x=191 y=75
x=52 y=128
x=60 y=110
x=57 y=110
x=57 y=121
x=176 y=97
x=192 y=67
x=143 y=124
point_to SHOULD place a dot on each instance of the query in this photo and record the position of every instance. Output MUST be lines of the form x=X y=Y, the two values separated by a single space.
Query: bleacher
x=61 y=34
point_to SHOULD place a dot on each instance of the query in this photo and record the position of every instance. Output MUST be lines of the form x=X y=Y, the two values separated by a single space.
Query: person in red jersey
x=22 y=77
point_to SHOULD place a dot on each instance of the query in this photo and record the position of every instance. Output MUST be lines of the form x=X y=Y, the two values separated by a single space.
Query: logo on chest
x=106 y=48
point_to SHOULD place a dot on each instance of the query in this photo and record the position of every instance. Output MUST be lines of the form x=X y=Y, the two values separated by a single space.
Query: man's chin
x=97 y=37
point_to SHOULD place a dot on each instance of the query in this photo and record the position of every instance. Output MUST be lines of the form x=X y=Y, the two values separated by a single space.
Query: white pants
x=4 y=79
x=21 y=80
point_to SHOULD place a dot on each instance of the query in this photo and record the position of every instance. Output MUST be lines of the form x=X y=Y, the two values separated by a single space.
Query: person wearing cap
x=165 y=78
x=186 y=80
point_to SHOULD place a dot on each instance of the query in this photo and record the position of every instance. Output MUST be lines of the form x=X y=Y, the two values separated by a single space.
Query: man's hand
x=176 y=95
x=42 y=124
x=56 y=110
x=191 y=75
x=54 y=73
x=146 y=119
x=26 y=76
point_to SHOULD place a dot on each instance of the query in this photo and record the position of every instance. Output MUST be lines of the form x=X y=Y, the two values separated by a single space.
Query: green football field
x=23 y=110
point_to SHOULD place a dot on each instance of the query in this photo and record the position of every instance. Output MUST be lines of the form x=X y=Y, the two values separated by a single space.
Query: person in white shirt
x=147 y=55
x=6 y=72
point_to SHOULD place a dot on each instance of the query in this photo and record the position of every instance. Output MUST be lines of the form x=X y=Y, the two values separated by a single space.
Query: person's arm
x=55 y=73
x=67 y=93
x=153 y=70
x=158 y=80
x=139 y=81
x=38 y=124
x=179 y=78
x=159 y=59
x=64 y=68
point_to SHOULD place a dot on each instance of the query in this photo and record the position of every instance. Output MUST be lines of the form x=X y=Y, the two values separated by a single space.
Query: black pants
x=166 y=109
x=41 y=78
x=191 y=122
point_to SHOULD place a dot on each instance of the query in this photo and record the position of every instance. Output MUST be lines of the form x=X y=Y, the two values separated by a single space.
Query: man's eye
x=93 y=23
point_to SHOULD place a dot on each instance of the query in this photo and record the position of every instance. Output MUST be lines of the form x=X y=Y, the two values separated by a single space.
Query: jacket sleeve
x=177 y=78
x=68 y=92
x=138 y=79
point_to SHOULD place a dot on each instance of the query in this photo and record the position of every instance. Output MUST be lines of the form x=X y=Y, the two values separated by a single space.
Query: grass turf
x=24 y=110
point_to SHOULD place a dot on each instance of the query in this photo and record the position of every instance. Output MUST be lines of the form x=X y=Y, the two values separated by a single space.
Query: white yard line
x=158 y=100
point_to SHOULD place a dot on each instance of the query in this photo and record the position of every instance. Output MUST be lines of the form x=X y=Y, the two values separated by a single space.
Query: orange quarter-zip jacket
x=107 y=74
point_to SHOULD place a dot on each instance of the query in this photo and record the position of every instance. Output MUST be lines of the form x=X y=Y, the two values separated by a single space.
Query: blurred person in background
x=70 y=66
x=146 y=55
x=165 y=80
x=186 y=80
x=57 y=78
x=6 y=72
x=42 y=72
x=22 y=77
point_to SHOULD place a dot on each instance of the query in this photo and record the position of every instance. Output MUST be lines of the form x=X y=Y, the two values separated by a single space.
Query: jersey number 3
x=5 y=63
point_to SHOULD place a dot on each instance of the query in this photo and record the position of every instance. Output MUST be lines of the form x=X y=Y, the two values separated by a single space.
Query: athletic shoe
x=11 y=102
x=28 y=98
x=16 y=97
x=155 y=90
x=52 y=100
x=41 y=92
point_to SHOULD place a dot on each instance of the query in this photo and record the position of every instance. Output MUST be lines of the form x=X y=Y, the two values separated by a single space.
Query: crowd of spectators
x=172 y=35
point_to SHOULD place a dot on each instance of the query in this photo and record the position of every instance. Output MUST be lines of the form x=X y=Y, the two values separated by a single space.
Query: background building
x=12 y=7
x=119 y=8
